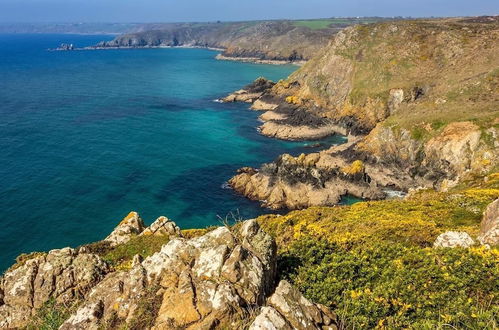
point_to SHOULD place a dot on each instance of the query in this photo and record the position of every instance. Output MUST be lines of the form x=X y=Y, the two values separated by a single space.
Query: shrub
x=396 y=286
x=373 y=263
x=354 y=168
x=417 y=220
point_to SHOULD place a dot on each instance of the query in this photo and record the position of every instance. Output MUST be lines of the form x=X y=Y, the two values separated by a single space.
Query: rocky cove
x=381 y=153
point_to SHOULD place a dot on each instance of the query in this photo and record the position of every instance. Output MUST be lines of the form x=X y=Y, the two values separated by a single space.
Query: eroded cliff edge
x=419 y=100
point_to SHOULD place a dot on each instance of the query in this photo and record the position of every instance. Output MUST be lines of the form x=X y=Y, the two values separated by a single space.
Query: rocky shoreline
x=257 y=60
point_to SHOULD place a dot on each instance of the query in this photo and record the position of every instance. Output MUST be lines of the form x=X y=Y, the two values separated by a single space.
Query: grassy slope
x=455 y=60
x=373 y=261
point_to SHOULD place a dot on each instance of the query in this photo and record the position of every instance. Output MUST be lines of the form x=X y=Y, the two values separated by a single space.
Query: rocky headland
x=281 y=41
x=225 y=278
x=418 y=99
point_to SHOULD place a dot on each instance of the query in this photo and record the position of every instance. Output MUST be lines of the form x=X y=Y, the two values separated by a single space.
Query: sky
x=143 y=11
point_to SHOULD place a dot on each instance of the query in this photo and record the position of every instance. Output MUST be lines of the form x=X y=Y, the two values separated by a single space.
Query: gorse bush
x=395 y=286
x=374 y=264
x=415 y=221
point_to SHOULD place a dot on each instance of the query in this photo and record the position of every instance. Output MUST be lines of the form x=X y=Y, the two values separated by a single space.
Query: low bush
x=395 y=286
x=373 y=262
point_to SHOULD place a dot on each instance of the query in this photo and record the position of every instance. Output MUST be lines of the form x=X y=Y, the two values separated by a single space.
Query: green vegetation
x=121 y=256
x=145 y=246
x=398 y=286
x=374 y=264
x=316 y=24
x=51 y=316
x=22 y=258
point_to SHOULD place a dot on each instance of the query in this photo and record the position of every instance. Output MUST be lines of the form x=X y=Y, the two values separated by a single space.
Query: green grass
x=314 y=24
x=142 y=245
x=50 y=316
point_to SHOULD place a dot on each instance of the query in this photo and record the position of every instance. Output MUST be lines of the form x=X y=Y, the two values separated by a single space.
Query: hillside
x=419 y=100
x=263 y=40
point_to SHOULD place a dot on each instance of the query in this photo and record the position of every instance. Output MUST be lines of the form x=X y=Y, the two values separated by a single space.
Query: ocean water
x=87 y=136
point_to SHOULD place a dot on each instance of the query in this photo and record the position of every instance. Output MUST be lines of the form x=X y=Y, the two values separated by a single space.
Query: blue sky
x=209 y=10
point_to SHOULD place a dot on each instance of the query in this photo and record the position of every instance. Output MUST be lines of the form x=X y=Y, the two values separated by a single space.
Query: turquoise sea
x=87 y=136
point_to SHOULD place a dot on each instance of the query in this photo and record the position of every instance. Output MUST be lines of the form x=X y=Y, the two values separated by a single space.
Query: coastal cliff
x=419 y=100
x=419 y=103
x=268 y=40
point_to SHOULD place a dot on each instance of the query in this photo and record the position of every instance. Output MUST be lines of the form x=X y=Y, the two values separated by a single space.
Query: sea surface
x=88 y=136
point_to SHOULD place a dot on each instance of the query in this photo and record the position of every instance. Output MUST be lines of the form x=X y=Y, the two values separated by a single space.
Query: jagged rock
x=204 y=281
x=489 y=227
x=452 y=239
x=162 y=227
x=130 y=226
x=288 y=309
x=315 y=179
x=251 y=92
x=404 y=144
x=63 y=275
x=212 y=281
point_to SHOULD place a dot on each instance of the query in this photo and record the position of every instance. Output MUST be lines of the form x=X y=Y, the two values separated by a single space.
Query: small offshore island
x=419 y=103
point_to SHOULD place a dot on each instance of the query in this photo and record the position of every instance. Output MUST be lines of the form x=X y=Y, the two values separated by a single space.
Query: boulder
x=130 y=226
x=162 y=227
x=452 y=239
x=288 y=309
x=489 y=227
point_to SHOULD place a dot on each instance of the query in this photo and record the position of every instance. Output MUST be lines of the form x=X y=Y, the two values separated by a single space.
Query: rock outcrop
x=251 y=92
x=288 y=309
x=212 y=281
x=63 y=275
x=130 y=226
x=453 y=239
x=489 y=227
x=313 y=179
x=162 y=227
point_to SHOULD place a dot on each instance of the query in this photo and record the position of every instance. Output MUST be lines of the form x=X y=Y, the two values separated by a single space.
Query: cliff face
x=273 y=40
x=422 y=97
x=412 y=71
